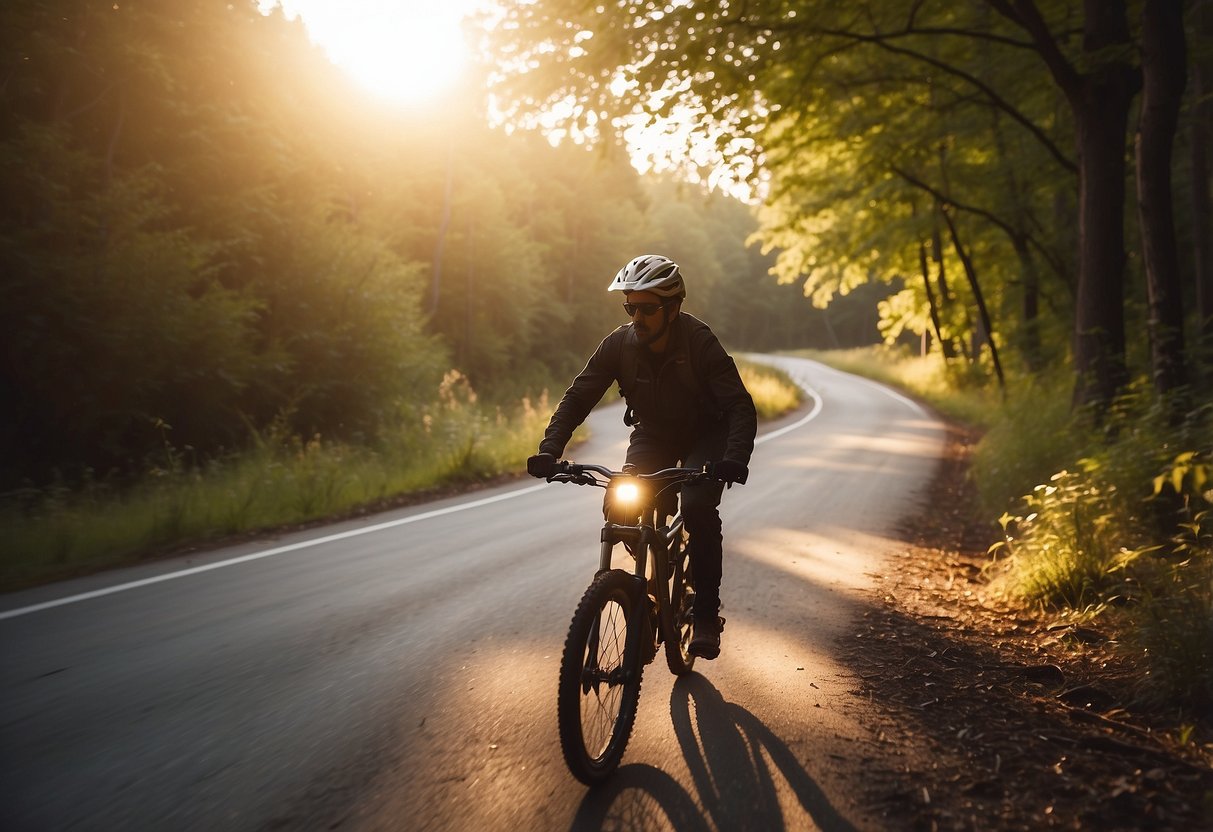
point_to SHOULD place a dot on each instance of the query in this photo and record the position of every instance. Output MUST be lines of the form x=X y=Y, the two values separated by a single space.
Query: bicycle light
x=623 y=501
x=627 y=492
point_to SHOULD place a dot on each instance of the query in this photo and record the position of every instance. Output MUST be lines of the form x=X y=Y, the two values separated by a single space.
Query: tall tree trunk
x=931 y=303
x=1099 y=96
x=1202 y=182
x=1101 y=103
x=979 y=299
x=1164 y=76
x=946 y=342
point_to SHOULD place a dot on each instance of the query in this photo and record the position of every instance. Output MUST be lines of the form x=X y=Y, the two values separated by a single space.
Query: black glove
x=730 y=471
x=541 y=466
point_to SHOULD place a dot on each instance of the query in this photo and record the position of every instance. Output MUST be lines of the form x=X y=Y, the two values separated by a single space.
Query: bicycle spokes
x=599 y=680
x=611 y=626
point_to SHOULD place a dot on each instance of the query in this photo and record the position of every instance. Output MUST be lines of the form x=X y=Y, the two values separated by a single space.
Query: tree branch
x=1024 y=14
x=1010 y=230
x=1000 y=102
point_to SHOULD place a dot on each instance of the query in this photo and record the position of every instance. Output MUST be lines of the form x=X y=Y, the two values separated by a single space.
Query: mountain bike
x=624 y=617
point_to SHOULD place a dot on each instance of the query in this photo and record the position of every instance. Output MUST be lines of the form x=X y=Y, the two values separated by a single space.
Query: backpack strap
x=691 y=373
x=629 y=356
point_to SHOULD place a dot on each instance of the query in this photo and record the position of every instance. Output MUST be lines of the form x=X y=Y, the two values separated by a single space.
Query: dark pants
x=700 y=502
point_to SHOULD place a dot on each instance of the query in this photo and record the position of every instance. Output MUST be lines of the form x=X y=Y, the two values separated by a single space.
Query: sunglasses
x=645 y=309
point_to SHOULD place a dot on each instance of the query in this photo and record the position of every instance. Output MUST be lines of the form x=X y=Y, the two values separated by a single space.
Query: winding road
x=399 y=672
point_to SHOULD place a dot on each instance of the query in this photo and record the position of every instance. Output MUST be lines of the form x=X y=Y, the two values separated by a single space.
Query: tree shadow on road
x=734 y=761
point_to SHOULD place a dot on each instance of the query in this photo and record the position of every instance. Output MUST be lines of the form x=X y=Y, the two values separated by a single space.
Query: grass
x=1114 y=523
x=774 y=393
x=283 y=480
x=280 y=480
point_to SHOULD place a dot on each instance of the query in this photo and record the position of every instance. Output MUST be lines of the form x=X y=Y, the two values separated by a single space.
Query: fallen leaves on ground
x=1006 y=719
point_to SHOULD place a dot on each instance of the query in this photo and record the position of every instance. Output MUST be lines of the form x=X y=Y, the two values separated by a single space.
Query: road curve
x=398 y=672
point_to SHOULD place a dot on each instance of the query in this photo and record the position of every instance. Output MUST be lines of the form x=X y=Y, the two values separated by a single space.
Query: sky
x=413 y=51
x=405 y=51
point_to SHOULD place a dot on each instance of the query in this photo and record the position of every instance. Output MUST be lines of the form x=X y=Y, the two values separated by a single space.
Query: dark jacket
x=696 y=385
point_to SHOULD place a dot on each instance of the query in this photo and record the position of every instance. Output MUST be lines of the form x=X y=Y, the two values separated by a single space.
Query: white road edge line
x=808 y=417
x=305 y=544
x=893 y=394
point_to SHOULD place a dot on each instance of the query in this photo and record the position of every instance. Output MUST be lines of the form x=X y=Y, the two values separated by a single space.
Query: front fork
x=642 y=540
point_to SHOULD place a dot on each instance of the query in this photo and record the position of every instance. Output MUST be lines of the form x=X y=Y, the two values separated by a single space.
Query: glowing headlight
x=627 y=492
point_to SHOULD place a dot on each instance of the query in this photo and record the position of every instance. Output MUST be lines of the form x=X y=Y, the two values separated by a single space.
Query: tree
x=1164 y=72
x=782 y=79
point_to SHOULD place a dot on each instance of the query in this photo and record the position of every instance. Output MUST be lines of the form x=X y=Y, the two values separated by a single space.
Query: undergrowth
x=280 y=479
x=1127 y=529
x=1112 y=522
x=283 y=479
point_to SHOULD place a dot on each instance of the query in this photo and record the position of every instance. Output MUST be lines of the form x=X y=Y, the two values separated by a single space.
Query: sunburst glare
x=404 y=51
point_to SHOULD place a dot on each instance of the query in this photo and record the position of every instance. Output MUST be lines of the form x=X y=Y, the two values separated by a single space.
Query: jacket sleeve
x=585 y=392
x=727 y=388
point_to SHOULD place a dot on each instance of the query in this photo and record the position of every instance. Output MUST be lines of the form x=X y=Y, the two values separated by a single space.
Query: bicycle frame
x=644 y=538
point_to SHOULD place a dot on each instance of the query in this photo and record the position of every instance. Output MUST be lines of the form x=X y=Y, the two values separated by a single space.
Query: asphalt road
x=399 y=672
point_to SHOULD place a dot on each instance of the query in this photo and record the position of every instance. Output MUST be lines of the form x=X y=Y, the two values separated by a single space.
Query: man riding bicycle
x=686 y=405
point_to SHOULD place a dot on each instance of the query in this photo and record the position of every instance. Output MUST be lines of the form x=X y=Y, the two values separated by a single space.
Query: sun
x=404 y=51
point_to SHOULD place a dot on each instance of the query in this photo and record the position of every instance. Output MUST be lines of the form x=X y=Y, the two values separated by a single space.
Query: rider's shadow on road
x=734 y=781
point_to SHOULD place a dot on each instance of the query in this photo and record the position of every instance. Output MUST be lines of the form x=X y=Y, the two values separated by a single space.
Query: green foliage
x=862 y=126
x=207 y=231
x=1065 y=550
x=113 y=317
x=285 y=479
x=1175 y=624
x=1127 y=532
x=1025 y=441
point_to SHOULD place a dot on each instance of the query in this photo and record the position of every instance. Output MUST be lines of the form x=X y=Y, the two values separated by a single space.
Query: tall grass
x=1106 y=520
x=774 y=393
x=282 y=479
x=279 y=480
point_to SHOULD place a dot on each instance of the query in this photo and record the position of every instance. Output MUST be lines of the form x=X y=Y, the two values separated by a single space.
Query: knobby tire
x=600 y=674
x=676 y=609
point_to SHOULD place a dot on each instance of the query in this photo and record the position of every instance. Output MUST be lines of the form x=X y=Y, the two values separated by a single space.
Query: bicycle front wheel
x=676 y=616
x=600 y=677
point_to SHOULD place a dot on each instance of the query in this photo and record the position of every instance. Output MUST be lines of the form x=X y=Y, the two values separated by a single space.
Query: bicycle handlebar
x=590 y=474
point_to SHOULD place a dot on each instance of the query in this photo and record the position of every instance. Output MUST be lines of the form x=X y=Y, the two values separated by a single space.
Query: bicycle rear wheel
x=676 y=615
x=600 y=677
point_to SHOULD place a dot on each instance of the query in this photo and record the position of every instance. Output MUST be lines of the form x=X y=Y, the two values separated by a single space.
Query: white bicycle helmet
x=650 y=273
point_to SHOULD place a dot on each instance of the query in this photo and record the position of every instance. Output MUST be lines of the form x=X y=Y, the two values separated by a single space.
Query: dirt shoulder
x=1005 y=719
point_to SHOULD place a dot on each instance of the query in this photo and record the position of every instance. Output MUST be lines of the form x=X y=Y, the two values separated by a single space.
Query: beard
x=646 y=334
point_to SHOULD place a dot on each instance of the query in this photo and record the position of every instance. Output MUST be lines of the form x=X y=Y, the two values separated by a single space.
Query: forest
x=210 y=233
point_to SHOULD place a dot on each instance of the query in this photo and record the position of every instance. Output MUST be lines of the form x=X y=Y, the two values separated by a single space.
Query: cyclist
x=686 y=404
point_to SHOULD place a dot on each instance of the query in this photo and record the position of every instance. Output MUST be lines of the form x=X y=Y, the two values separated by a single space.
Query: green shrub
x=1064 y=550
